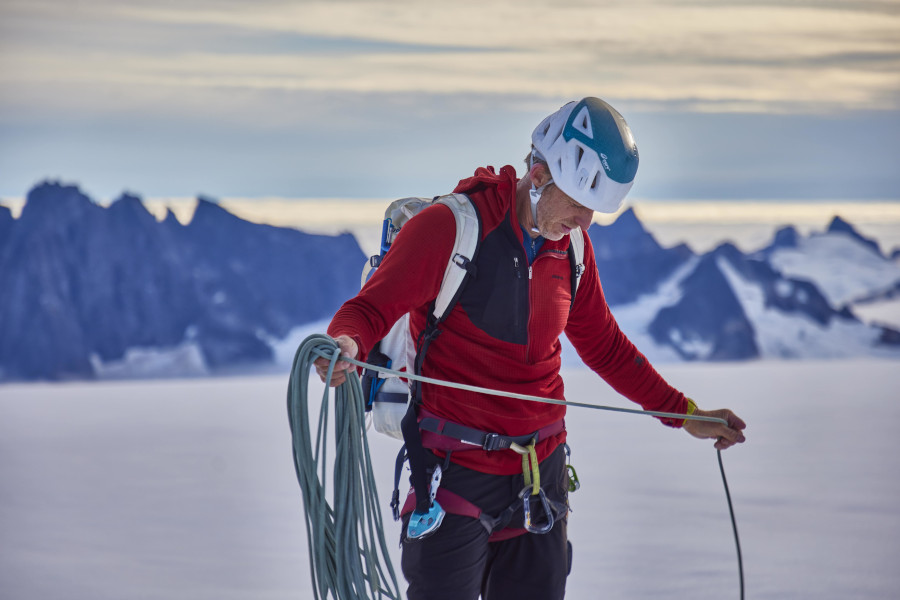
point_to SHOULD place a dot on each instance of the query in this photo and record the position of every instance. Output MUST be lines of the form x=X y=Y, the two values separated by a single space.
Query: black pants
x=458 y=563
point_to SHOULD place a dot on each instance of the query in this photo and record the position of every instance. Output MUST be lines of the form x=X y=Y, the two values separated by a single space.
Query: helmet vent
x=583 y=122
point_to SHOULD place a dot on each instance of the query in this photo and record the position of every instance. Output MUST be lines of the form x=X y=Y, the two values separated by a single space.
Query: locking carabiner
x=527 y=496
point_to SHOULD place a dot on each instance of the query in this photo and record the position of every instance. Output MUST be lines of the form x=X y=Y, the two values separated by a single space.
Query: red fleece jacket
x=504 y=332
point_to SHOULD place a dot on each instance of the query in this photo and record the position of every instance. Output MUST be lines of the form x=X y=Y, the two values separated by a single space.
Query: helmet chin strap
x=535 y=193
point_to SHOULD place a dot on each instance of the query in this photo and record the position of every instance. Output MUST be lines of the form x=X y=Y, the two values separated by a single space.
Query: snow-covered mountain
x=792 y=299
x=88 y=290
x=848 y=267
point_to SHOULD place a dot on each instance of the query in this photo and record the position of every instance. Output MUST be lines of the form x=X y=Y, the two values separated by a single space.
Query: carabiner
x=526 y=497
x=574 y=484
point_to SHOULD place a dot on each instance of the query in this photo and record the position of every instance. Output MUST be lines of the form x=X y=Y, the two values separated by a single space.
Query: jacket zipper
x=517 y=303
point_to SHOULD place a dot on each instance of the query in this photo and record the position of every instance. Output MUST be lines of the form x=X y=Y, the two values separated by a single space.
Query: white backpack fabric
x=388 y=395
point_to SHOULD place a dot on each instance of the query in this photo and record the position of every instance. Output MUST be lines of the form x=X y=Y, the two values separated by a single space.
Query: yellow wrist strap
x=691 y=407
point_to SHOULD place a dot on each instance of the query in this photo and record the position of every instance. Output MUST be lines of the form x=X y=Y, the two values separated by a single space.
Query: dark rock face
x=79 y=280
x=630 y=261
x=708 y=322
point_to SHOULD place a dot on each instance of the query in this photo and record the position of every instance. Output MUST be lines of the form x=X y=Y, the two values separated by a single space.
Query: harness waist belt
x=441 y=434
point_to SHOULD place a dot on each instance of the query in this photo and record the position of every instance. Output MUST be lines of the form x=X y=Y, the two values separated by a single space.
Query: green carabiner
x=574 y=484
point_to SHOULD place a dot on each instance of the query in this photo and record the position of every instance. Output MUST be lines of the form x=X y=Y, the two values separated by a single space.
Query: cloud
x=741 y=57
x=370 y=97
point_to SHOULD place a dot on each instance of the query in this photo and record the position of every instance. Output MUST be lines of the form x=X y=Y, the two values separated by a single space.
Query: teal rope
x=347 y=552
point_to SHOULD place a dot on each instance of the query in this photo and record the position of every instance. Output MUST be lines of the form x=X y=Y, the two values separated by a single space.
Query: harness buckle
x=492 y=441
x=460 y=261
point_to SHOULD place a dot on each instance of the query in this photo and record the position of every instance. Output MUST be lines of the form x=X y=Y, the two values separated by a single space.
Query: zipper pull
x=529 y=272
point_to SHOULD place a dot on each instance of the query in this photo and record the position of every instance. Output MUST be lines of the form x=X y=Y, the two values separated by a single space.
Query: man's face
x=557 y=214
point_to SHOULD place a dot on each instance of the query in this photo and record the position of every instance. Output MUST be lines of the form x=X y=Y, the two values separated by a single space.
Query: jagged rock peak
x=786 y=237
x=210 y=211
x=130 y=204
x=51 y=197
x=839 y=225
x=170 y=219
x=128 y=198
x=730 y=252
x=629 y=222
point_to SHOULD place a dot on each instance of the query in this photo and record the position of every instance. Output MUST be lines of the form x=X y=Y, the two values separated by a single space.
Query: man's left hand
x=725 y=437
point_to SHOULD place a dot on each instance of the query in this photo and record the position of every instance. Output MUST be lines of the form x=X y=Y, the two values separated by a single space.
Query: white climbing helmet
x=590 y=151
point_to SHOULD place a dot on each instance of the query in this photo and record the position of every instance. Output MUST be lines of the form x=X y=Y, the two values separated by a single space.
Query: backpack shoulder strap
x=462 y=258
x=576 y=258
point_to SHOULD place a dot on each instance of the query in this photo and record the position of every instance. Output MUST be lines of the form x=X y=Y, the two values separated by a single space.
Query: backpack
x=388 y=396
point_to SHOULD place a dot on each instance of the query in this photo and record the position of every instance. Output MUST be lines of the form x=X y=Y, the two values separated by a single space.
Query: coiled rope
x=347 y=552
x=343 y=552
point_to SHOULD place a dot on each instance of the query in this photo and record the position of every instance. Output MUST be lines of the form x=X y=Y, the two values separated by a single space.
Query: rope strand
x=737 y=540
x=529 y=398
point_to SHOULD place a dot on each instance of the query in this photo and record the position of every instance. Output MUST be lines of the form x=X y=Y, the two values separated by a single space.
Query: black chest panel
x=496 y=299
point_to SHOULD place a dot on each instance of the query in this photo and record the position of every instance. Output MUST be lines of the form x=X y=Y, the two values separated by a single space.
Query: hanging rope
x=737 y=540
x=353 y=468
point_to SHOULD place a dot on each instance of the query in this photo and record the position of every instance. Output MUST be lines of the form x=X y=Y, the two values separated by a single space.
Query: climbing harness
x=448 y=437
x=348 y=553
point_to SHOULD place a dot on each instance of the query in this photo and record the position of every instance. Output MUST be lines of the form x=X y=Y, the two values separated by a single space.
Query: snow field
x=186 y=489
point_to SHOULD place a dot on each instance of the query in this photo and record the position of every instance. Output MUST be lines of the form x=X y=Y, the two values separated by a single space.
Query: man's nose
x=584 y=218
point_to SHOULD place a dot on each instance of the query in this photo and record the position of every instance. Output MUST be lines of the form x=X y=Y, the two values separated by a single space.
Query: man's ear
x=540 y=174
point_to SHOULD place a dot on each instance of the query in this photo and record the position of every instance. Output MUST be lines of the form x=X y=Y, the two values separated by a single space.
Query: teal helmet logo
x=591 y=153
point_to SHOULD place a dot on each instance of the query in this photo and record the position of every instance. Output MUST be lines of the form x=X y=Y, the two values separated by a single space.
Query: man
x=504 y=334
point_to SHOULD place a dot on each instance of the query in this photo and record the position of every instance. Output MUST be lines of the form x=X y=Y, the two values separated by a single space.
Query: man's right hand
x=339 y=375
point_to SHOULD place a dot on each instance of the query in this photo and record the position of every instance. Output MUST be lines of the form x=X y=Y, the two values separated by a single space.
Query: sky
x=373 y=98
